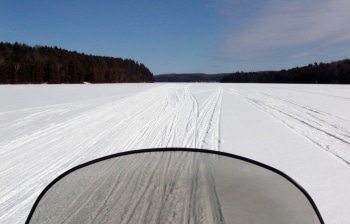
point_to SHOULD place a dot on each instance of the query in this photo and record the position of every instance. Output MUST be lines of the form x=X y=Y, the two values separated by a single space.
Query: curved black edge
x=47 y=188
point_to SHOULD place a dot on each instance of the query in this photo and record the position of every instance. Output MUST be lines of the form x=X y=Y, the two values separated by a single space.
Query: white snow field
x=303 y=130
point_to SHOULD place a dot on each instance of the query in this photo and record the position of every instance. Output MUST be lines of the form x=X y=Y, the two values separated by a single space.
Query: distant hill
x=189 y=77
x=337 y=72
x=20 y=63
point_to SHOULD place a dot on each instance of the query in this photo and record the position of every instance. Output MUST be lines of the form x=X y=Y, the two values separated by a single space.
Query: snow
x=303 y=130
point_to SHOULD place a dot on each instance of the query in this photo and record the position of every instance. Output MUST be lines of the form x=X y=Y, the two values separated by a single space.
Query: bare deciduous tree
x=17 y=66
x=59 y=66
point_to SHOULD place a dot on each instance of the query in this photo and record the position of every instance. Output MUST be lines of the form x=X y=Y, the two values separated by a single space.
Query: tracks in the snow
x=41 y=143
x=329 y=132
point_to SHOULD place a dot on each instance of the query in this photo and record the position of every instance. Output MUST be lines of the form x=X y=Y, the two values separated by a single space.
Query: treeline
x=22 y=64
x=324 y=73
x=190 y=77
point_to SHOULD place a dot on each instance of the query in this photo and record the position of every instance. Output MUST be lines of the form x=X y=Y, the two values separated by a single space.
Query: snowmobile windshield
x=174 y=186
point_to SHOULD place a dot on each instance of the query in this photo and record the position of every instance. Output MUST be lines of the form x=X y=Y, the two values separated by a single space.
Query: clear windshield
x=174 y=187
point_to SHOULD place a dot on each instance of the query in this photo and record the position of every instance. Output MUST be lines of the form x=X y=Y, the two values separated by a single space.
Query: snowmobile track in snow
x=329 y=132
x=295 y=128
x=68 y=135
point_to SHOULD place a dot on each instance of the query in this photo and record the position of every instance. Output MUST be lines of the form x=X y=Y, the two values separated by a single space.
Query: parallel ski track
x=209 y=132
x=331 y=133
x=37 y=147
x=316 y=92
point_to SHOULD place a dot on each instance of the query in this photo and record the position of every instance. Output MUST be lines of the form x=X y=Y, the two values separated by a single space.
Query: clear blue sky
x=209 y=36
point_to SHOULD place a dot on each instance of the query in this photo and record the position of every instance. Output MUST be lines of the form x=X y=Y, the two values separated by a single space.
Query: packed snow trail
x=302 y=130
x=68 y=135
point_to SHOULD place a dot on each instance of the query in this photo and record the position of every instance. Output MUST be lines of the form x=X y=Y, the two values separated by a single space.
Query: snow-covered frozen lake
x=303 y=130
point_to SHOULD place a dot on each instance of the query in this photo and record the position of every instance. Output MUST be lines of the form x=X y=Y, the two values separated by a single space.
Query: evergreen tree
x=20 y=63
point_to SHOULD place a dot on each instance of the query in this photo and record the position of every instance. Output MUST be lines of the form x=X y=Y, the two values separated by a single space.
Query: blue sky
x=210 y=36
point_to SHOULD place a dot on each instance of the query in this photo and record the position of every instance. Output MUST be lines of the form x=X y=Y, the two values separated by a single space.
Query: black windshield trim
x=291 y=180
